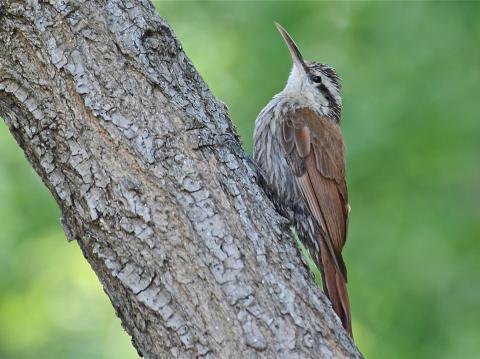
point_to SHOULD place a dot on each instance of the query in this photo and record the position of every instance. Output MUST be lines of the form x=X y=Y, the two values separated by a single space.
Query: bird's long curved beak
x=297 y=57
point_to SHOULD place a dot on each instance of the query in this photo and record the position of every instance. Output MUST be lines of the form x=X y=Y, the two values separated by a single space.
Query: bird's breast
x=269 y=156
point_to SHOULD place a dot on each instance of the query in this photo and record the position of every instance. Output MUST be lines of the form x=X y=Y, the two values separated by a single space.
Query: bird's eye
x=317 y=79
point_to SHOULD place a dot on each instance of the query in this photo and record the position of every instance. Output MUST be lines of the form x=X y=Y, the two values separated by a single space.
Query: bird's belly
x=277 y=175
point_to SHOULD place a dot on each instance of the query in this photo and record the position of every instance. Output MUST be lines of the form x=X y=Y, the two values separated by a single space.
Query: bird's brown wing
x=315 y=152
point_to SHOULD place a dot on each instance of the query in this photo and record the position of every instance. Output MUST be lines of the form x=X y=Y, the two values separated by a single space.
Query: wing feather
x=315 y=153
x=320 y=173
x=302 y=141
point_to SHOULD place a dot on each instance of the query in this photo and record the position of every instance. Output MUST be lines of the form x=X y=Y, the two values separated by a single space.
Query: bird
x=299 y=153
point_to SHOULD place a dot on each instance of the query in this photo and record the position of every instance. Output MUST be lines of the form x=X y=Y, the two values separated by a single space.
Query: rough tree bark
x=149 y=175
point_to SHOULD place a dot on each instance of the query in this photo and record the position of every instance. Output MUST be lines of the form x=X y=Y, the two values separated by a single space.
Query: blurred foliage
x=411 y=75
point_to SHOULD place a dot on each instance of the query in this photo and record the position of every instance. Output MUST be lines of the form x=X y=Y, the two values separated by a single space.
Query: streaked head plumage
x=317 y=83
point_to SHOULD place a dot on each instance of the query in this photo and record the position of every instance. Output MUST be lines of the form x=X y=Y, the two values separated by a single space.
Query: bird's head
x=312 y=84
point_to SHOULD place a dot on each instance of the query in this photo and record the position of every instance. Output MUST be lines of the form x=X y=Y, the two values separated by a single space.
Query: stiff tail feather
x=335 y=287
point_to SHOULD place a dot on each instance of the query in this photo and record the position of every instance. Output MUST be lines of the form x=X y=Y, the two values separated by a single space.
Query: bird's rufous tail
x=335 y=286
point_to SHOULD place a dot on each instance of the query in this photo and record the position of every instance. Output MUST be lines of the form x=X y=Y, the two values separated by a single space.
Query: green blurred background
x=411 y=75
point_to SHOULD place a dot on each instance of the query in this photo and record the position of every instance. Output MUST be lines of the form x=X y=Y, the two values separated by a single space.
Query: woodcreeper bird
x=299 y=153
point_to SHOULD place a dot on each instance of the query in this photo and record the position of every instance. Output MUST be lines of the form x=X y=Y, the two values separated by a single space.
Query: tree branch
x=152 y=183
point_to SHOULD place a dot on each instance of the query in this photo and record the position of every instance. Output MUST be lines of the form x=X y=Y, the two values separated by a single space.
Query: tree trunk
x=147 y=169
